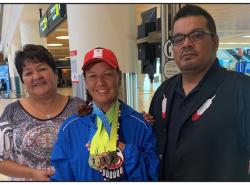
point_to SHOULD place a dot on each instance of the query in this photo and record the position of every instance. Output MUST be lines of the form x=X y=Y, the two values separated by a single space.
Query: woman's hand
x=148 y=117
x=41 y=175
x=121 y=146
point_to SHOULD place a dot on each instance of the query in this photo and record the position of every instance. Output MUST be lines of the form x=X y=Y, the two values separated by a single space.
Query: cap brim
x=94 y=60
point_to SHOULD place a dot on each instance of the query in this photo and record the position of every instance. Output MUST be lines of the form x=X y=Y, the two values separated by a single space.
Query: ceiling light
x=246 y=36
x=62 y=37
x=62 y=59
x=54 y=44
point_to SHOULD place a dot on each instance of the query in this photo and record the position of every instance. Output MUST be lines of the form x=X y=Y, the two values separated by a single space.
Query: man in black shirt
x=203 y=114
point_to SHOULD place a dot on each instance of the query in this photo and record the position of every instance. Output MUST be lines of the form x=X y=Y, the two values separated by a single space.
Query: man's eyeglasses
x=194 y=36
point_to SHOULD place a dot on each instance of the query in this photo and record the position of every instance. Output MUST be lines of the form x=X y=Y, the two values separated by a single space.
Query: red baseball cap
x=100 y=54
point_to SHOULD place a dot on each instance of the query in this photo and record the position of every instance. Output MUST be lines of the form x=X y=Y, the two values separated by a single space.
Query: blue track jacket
x=70 y=155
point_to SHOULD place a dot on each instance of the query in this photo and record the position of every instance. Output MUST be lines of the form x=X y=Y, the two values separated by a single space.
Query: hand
x=41 y=175
x=121 y=145
x=148 y=117
x=87 y=146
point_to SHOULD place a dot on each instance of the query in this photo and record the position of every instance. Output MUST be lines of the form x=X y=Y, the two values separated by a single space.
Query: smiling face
x=39 y=79
x=102 y=82
x=194 y=57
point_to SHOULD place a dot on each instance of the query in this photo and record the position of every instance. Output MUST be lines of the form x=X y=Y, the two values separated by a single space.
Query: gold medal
x=97 y=162
x=94 y=161
x=91 y=161
x=104 y=160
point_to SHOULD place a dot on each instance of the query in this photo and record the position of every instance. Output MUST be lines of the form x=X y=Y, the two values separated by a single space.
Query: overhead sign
x=168 y=50
x=43 y=25
x=55 y=14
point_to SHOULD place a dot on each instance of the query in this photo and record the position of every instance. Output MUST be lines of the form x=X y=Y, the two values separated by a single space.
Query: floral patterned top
x=28 y=140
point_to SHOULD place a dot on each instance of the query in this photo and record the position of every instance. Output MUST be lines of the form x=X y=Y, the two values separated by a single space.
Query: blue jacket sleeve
x=60 y=159
x=141 y=162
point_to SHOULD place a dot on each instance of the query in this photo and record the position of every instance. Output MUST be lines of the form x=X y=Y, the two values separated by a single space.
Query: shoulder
x=75 y=100
x=132 y=117
x=75 y=121
x=11 y=111
x=240 y=78
x=11 y=107
x=168 y=83
x=72 y=104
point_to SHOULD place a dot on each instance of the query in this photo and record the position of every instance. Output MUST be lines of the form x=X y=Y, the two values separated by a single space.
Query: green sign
x=55 y=14
x=43 y=25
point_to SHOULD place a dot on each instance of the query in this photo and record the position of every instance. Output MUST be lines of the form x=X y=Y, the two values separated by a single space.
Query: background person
x=28 y=127
x=109 y=140
x=3 y=88
x=203 y=114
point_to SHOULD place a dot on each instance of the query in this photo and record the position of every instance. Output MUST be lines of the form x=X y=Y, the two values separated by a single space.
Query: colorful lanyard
x=104 y=138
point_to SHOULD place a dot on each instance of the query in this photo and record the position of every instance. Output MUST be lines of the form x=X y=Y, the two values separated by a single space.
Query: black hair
x=85 y=108
x=193 y=10
x=36 y=53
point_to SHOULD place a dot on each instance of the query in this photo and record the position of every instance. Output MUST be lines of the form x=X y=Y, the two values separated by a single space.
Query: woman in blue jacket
x=107 y=140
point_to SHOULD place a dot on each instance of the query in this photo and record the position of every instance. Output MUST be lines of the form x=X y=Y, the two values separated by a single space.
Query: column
x=110 y=26
x=29 y=32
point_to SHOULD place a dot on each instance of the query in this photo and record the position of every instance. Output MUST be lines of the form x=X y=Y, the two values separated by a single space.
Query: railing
x=15 y=95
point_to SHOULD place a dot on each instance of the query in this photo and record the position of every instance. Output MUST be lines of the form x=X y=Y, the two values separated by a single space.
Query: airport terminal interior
x=138 y=33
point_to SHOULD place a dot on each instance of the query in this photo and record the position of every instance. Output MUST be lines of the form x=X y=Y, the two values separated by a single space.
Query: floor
x=145 y=91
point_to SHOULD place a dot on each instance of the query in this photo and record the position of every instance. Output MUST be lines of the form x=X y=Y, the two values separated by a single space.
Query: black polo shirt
x=180 y=105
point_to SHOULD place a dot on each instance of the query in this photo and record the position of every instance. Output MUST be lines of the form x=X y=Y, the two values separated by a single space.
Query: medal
x=94 y=162
x=113 y=157
x=115 y=169
x=104 y=154
x=117 y=159
x=104 y=160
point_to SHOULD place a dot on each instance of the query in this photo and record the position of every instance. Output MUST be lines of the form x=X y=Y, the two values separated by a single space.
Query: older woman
x=28 y=127
x=109 y=141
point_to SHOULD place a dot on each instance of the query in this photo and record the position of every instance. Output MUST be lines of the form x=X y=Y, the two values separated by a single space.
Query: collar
x=125 y=111
x=211 y=70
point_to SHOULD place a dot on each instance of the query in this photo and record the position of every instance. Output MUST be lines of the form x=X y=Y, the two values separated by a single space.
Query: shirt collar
x=179 y=87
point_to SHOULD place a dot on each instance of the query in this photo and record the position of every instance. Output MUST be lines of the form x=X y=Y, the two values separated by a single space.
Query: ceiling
x=61 y=52
x=232 y=21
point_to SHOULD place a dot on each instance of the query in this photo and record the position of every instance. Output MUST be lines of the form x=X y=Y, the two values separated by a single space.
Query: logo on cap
x=98 y=53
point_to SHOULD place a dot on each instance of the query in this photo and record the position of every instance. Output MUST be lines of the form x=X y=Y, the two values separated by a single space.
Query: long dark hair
x=85 y=108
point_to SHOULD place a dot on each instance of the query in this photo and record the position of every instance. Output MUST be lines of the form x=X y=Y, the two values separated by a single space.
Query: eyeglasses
x=194 y=36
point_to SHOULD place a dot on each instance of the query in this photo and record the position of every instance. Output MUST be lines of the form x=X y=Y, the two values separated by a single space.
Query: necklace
x=48 y=116
x=109 y=163
x=49 y=107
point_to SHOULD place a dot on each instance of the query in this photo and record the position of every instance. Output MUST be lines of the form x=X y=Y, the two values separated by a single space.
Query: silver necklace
x=48 y=115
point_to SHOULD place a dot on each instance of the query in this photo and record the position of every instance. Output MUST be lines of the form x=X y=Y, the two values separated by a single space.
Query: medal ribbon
x=104 y=139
